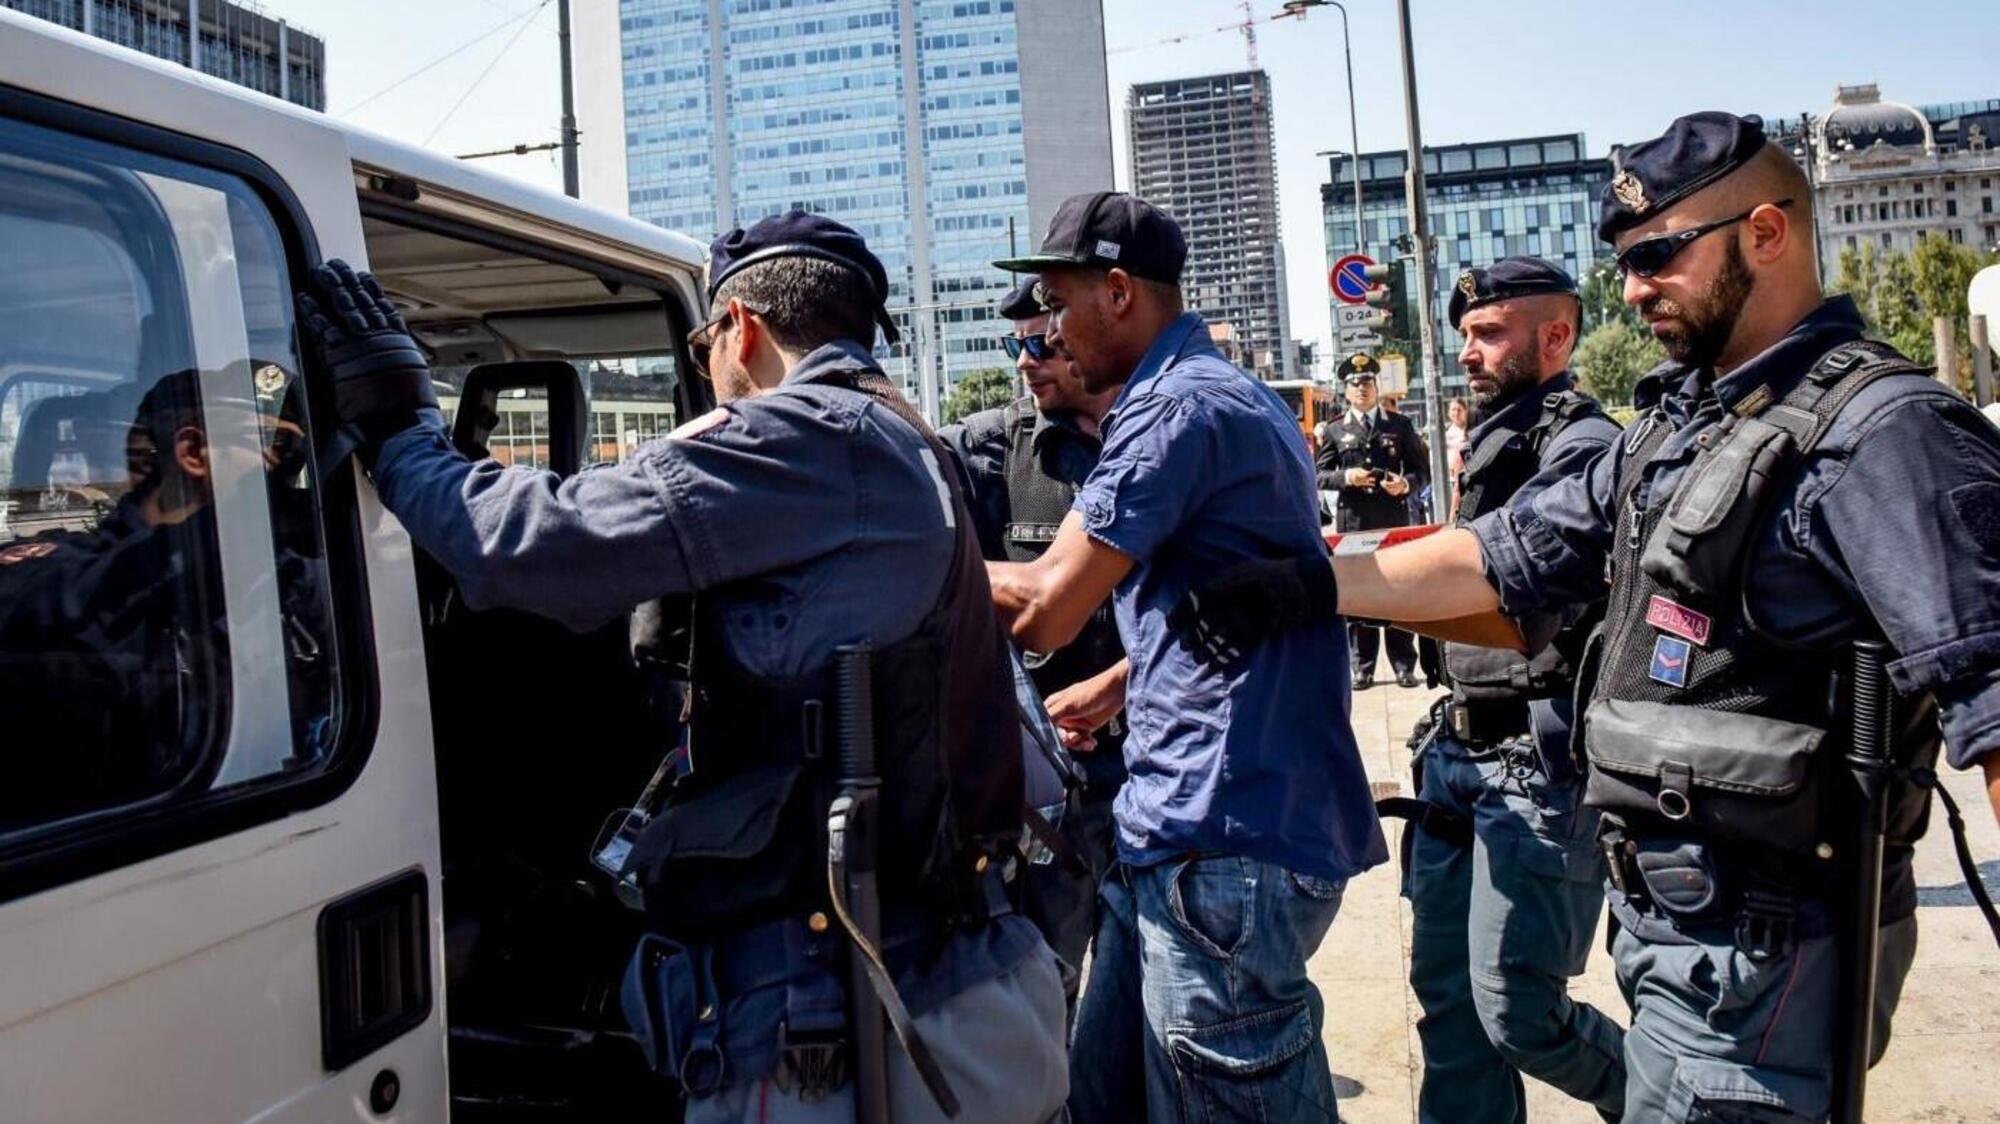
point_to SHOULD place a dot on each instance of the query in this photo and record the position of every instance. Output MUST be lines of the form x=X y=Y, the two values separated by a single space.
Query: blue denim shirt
x=1892 y=524
x=835 y=507
x=1204 y=466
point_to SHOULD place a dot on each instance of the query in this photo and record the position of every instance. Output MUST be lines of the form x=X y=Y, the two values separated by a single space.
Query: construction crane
x=1247 y=25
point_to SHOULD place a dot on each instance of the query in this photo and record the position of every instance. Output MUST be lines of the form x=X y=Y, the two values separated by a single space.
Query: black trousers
x=1364 y=640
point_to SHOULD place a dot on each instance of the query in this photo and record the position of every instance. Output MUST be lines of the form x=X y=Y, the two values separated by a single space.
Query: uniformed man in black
x=808 y=514
x=1374 y=459
x=1790 y=494
x=1022 y=464
x=1502 y=872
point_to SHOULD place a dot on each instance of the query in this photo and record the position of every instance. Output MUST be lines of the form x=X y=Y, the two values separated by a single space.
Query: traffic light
x=1389 y=297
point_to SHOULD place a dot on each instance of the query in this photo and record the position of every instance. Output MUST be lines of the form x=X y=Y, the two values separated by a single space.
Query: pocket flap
x=733 y=818
x=1712 y=748
x=1248 y=1046
x=1718 y=479
x=1713 y=1084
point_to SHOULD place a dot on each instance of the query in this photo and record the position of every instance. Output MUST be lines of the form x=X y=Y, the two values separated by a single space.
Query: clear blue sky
x=1485 y=69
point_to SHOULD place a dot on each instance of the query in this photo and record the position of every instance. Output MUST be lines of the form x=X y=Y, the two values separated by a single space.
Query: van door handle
x=374 y=967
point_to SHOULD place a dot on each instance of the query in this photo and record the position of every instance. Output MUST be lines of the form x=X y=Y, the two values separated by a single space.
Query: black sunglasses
x=702 y=339
x=1037 y=347
x=1651 y=255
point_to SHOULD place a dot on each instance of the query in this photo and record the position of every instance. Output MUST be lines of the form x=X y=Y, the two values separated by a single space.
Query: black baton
x=860 y=787
x=1870 y=707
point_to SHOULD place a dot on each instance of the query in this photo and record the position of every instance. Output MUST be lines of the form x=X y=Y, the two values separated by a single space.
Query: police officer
x=807 y=513
x=1247 y=807
x=1788 y=490
x=1023 y=463
x=1374 y=459
x=1502 y=874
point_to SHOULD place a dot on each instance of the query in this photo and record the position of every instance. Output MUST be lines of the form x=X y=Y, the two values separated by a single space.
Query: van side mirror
x=479 y=408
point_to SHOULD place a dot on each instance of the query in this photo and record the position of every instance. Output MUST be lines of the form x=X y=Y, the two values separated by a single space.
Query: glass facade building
x=237 y=41
x=1531 y=195
x=902 y=118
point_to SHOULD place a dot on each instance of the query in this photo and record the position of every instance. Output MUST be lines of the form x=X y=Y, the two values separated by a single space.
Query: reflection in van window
x=164 y=616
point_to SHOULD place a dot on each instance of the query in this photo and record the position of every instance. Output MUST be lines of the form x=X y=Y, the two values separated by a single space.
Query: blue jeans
x=1500 y=926
x=1198 y=1008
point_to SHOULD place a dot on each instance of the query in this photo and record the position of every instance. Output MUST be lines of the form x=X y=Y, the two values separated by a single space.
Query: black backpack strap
x=1809 y=409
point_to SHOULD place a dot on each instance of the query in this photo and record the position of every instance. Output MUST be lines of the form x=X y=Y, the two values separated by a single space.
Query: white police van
x=285 y=832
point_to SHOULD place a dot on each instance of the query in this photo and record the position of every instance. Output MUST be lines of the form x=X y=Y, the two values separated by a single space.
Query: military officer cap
x=1695 y=151
x=799 y=234
x=1521 y=276
x=1021 y=303
x=1109 y=229
x=1358 y=368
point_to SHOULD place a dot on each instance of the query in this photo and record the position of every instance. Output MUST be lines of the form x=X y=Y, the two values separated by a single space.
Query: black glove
x=1226 y=616
x=380 y=377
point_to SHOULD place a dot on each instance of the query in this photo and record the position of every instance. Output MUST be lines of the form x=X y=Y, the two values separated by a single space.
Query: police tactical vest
x=1492 y=685
x=1037 y=503
x=1702 y=723
x=741 y=837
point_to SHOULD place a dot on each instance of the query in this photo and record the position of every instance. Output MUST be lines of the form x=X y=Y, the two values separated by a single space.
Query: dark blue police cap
x=1521 y=276
x=1694 y=152
x=1109 y=229
x=799 y=234
x=1021 y=303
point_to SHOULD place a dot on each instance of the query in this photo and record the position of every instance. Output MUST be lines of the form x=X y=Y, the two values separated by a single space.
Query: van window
x=164 y=596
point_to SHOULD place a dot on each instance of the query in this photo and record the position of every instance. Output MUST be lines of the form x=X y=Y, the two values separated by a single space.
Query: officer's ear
x=750 y=331
x=191 y=452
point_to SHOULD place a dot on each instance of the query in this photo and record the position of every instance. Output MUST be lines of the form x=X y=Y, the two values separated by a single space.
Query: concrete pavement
x=1941 y=1065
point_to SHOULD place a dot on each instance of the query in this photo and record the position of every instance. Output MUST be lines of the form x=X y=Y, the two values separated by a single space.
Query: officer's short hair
x=805 y=302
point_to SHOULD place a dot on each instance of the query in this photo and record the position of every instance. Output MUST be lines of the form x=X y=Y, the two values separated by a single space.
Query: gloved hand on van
x=381 y=381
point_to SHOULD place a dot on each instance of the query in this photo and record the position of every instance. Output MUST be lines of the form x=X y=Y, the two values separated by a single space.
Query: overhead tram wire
x=462 y=98
x=439 y=61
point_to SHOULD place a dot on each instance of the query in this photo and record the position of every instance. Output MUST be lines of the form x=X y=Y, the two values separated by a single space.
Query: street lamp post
x=1419 y=224
x=1297 y=9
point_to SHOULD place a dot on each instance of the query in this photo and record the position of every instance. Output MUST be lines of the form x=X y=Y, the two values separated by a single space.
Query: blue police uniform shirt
x=836 y=507
x=1895 y=518
x=1569 y=454
x=1202 y=467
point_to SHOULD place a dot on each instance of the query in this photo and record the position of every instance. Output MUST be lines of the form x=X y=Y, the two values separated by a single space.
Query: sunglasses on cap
x=1651 y=255
x=1037 y=347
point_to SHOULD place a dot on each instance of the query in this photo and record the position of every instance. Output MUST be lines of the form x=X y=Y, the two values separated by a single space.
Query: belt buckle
x=815 y=1064
x=1764 y=925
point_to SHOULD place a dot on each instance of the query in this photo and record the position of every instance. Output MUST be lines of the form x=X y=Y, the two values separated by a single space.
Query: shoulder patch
x=26 y=551
x=698 y=426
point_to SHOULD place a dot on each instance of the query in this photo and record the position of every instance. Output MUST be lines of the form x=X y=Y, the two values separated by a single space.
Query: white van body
x=185 y=983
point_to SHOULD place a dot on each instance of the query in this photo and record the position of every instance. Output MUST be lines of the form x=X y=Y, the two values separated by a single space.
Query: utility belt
x=1669 y=883
x=676 y=996
x=1481 y=723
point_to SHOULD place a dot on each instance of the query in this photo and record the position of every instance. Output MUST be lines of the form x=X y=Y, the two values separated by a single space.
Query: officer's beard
x=1703 y=326
x=1515 y=376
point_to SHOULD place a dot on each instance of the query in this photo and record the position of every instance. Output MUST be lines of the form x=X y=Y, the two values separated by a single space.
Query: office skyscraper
x=1490 y=200
x=237 y=42
x=1201 y=149
x=923 y=124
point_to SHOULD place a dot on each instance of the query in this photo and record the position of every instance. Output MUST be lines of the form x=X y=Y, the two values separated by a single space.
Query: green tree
x=1899 y=294
x=978 y=390
x=1602 y=292
x=1611 y=358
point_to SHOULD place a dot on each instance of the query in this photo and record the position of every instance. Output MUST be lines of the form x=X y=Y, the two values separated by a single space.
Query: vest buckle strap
x=813 y=1063
x=1765 y=923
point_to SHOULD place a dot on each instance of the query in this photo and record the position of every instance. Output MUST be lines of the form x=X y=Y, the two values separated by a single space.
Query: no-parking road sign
x=1350 y=285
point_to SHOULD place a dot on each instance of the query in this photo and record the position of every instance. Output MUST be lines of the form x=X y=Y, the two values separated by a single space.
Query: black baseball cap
x=1109 y=229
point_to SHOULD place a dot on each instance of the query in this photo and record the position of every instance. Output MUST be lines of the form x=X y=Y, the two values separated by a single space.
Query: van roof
x=385 y=154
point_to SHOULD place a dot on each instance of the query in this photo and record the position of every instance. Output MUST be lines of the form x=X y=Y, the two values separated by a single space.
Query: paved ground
x=1940 y=1067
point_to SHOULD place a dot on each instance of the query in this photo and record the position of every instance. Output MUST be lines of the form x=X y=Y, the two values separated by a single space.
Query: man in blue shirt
x=809 y=512
x=1247 y=809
